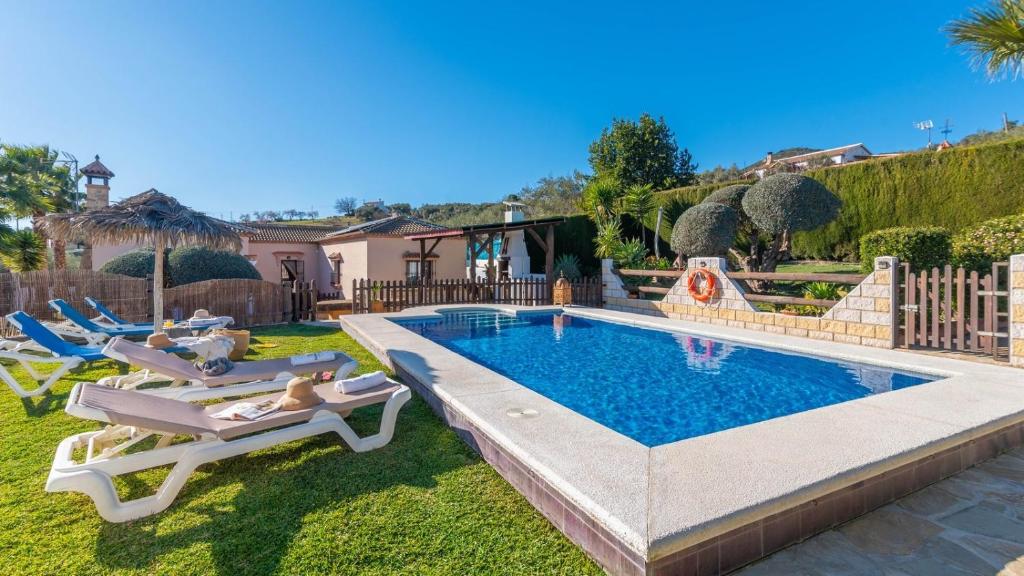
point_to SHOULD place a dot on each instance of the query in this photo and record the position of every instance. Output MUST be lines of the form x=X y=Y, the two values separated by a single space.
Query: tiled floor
x=972 y=523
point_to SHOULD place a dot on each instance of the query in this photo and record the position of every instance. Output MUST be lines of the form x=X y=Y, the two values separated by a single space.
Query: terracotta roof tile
x=265 y=232
x=97 y=169
x=395 y=225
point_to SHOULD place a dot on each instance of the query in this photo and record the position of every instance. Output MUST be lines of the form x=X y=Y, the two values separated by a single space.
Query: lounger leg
x=66 y=364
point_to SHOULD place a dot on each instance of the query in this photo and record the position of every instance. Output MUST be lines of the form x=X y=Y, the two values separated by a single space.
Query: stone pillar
x=1017 y=310
x=868 y=314
x=613 y=287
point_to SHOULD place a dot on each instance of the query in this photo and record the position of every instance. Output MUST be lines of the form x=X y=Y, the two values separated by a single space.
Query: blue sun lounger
x=79 y=319
x=113 y=318
x=67 y=354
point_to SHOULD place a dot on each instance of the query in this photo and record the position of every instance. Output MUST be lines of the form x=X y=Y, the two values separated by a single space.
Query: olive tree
x=705 y=230
x=780 y=205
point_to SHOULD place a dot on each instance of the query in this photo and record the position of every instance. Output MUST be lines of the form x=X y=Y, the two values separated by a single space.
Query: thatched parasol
x=147 y=219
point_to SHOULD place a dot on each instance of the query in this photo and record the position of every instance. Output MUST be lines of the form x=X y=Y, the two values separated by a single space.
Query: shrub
x=567 y=265
x=954 y=188
x=731 y=196
x=977 y=247
x=789 y=202
x=705 y=230
x=137 y=264
x=198 y=263
x=922 y=247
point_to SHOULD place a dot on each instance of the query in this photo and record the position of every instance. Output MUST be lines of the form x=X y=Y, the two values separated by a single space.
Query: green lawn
x=820 y=267
x=424 y=504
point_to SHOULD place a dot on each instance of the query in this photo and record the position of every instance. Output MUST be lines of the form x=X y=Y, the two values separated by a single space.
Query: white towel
x=312 y=358
x=360 y=382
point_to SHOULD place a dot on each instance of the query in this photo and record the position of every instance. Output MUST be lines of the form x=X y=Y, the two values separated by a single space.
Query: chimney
x=514 y=212
x=768 y=158
x=97 y=184
x=97 y=195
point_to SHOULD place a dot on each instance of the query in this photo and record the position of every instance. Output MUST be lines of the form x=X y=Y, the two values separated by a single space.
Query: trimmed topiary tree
x=780 y=205
x=198 y=263
x=705 y=230
x=923 y=247
x=137 y=264
x=731 y=196
x=977 y=247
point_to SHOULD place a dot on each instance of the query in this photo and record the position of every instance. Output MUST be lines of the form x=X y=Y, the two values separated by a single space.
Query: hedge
x=952 y=189
x=923 y=247
x=137 y=264
x=977 y=247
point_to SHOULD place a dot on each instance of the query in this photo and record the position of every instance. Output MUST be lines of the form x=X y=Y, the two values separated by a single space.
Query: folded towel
x=219 y=321
x=360 y=382
x=312 y=358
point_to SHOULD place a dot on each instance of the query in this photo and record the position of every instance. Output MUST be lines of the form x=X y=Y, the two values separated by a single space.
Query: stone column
x=1017 y=310
x=867 y=314
x=613 y=287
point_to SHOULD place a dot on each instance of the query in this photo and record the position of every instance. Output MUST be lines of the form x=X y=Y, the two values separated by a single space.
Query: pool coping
x=657 y=510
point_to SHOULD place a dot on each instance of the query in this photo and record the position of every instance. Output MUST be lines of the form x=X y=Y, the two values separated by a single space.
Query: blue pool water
x=653 y=386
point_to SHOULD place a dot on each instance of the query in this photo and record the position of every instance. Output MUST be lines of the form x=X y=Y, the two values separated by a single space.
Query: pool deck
x=713 y=503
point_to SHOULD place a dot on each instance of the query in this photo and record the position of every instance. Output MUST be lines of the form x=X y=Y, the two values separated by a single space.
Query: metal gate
x=956 y=310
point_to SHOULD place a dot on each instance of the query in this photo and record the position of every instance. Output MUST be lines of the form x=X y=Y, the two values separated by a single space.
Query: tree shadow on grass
x=280 y=488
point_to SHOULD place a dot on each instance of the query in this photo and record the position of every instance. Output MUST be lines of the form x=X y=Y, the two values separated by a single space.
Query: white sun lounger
x=140 y=416
x=189 y=382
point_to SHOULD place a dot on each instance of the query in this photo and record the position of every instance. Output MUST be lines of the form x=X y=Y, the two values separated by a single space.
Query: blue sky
x=234 y=107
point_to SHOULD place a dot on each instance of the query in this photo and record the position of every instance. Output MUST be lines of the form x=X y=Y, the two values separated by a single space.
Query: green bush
x=952 y=188
x=184 y=265
x=977 y=247
x=705 y=230
x=922 y=247
x=678 y=200
x=137 y=264
x=789 y=202
x=731 y=196
x=198 y=263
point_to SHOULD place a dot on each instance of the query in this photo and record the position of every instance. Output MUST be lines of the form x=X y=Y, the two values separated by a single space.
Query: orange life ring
x=705 y=292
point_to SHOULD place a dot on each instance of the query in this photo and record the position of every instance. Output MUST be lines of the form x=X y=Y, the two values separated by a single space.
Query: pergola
x=480 y=237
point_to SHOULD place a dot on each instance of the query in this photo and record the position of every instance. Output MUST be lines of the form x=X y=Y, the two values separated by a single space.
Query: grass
x=817 y=267
x=424 y=504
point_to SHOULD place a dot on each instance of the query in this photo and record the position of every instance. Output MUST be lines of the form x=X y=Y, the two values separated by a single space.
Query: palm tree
x=994 y=37
x=153 y=219
x=24 y=251
x=639 y=203
x=599 y=197
x=33 y=184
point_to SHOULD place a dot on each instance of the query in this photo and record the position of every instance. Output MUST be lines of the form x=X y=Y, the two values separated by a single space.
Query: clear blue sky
x=241 y=106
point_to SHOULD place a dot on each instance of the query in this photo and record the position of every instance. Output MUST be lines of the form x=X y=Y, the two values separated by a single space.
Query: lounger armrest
x=74 y=408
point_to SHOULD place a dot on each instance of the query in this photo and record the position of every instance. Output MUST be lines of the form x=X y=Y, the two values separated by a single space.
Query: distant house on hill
x=800 y=161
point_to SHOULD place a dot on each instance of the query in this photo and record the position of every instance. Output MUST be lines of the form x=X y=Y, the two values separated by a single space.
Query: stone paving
x=972 y=523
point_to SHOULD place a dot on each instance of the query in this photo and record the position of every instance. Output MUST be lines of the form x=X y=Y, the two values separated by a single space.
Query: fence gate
x=956 y=310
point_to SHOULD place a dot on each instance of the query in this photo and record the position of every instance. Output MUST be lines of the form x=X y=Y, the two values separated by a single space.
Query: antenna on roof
x=946 y=130
x=926 y=125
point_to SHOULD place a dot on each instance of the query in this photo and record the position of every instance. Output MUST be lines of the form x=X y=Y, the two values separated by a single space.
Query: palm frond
x=993 y=37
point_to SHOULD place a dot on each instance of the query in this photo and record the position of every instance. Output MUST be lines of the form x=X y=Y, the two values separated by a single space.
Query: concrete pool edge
x=679 y=519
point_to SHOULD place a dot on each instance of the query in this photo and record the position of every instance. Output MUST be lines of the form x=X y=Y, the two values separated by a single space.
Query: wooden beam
x=549 y=256
x=472 y=257
x=540 y=241
x=432 y=246
x=491 y=272
x=653 y=289
x=653 y=273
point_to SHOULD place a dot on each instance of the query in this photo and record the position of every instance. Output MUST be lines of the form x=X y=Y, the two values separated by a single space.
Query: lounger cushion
x=181 y=369
x=130 y=408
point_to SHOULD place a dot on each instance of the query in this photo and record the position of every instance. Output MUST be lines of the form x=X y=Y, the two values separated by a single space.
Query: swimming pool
x=653 y=386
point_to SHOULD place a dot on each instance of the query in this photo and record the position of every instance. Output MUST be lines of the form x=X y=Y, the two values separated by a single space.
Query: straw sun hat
x=159 y=341
x=201 y=314
x=299 y=395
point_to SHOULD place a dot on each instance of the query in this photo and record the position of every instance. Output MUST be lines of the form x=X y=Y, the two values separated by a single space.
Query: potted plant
x=376 y=304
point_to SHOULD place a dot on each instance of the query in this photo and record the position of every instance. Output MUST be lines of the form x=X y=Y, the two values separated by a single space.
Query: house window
x=335 y=272
x=412 y=270
x=292 y=271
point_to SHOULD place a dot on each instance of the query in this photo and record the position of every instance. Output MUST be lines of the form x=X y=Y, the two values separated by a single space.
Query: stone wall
x=1017 y=310
x=866 y=316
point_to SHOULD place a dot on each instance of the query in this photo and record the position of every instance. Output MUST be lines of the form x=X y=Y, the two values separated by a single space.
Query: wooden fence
x=754 y=279
x=958 y=310
x=249 y=302
x=398 y=295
